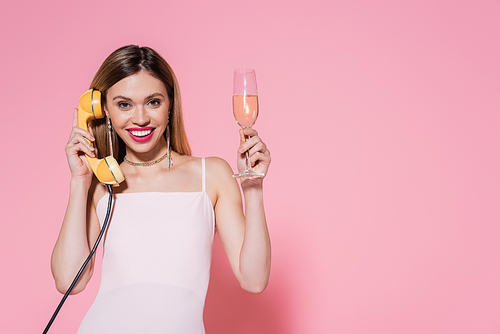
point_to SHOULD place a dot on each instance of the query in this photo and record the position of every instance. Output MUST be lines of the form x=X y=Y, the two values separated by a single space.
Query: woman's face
x=138 y=107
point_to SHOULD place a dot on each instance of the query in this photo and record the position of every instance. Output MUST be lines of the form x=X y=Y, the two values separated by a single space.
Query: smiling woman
x=126 y=63
x=157 y=255
x=138 y=116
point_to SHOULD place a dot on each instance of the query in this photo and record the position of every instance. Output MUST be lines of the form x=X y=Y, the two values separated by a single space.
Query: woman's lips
x=141 y=135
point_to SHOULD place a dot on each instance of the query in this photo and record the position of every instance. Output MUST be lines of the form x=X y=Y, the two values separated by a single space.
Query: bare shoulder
x=187 y=163
x=218 y=167
x=219 y=179
x=96 y=192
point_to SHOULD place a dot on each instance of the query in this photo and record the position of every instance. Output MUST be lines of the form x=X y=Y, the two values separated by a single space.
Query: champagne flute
x=245 y=110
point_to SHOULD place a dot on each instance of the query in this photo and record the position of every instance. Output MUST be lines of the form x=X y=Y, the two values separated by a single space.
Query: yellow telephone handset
x=106 y=170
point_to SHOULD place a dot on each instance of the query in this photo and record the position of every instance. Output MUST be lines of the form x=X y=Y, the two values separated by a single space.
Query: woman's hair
x=127 y=61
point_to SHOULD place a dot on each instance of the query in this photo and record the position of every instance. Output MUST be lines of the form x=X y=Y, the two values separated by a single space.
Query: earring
x=110 y=142
x=169 y=157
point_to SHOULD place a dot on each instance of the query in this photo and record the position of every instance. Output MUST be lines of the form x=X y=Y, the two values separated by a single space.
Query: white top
x=156 y=264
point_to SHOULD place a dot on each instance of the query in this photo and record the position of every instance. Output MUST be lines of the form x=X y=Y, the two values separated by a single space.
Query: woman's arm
x=80 y=226
x=245 y=237
x=79 y=231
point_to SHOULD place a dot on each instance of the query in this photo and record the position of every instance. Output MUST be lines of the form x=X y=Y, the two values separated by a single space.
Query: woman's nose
x=140 y=116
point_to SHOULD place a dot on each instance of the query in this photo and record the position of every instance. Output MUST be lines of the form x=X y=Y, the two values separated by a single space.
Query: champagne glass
x=245 y=110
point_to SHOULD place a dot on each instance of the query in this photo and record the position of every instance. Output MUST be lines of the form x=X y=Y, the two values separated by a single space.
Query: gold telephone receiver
x=106 y=170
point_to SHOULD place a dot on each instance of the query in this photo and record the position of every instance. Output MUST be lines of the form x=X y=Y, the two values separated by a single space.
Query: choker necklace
x=149 y=163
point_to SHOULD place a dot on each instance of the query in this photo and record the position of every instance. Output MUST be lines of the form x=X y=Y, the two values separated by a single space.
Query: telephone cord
x=75 y=280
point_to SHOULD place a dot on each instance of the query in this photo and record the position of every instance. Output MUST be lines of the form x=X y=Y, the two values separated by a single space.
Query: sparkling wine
x=245 y=109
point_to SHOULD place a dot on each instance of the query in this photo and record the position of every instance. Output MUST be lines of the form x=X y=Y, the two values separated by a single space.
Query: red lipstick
x=141 y=135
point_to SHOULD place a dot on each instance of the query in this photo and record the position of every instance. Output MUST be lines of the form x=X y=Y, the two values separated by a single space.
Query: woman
x=157 y=249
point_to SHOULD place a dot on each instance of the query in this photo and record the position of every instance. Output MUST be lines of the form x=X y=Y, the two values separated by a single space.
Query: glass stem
x=247 y=157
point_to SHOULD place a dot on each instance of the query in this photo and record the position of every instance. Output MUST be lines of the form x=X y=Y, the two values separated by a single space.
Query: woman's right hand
x=76 y=148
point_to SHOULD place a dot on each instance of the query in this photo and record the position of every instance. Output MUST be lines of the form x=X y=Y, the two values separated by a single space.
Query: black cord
x=104 y=226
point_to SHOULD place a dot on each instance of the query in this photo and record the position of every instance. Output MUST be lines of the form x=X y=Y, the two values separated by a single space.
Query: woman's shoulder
x=97 y=191
x=218 y=166
x=212 y=163
x=220 y=173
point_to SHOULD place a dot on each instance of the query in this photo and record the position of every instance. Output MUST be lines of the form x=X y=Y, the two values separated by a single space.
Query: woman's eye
x=123 y=105
x=154 y=103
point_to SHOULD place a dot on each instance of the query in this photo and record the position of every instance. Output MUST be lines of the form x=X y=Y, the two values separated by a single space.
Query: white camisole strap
x=203 y=175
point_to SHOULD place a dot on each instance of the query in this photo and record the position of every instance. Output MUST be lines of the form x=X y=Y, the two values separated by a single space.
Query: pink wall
x=382 y=118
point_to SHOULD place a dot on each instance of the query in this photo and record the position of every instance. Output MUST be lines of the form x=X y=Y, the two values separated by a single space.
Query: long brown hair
x=127 y=61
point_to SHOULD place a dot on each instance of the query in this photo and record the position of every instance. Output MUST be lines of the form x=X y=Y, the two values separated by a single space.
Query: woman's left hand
x=259 y=155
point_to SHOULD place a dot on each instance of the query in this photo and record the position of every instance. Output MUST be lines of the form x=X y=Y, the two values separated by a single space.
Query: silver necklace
x=149 y=163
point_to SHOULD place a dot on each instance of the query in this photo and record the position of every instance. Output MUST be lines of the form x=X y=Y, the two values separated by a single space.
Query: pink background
x=382 y=118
